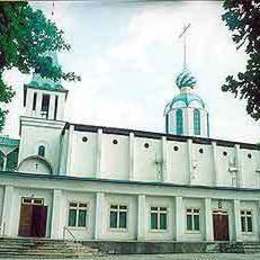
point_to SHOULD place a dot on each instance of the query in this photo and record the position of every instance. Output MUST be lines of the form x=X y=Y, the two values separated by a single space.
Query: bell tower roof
x=39 y=82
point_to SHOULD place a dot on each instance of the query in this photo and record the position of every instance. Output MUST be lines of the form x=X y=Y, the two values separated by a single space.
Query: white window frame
x=118 y=211
x=192 y=213
x=245 y=215
x=32 y=201
x=158 y=212
x=78 y=208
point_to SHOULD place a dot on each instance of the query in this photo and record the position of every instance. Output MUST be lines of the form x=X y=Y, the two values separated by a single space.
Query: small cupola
x=186 y=113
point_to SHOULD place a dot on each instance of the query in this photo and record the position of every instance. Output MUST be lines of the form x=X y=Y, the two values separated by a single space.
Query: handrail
x=69 y=231
x=2 y=229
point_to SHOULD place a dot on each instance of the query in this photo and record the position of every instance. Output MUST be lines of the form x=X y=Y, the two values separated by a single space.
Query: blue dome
x=184 y=100
x=185 y=79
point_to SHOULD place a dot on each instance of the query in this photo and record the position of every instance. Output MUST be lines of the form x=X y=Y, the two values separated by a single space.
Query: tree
x=243 y=18
x=25 y=38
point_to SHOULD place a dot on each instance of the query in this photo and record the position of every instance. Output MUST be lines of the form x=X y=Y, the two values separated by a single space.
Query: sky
x=128 y=55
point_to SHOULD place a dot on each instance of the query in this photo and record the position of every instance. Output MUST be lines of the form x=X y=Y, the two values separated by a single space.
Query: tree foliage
x=243 y=18
x=25 y=38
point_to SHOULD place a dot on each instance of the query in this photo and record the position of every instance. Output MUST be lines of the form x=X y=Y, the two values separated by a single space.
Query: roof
x=157 y=135
x=185 y=99
x=6 y=141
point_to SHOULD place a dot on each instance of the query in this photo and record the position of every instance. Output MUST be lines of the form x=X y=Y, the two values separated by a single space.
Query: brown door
x=39 y=218
x=220 y=225
x=25 y=226
x=33 y=220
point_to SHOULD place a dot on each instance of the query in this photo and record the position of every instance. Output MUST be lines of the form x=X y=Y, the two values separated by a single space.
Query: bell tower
x=42 y=124
x=44 y=98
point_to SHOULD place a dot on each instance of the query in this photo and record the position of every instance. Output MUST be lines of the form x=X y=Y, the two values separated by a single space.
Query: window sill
x=120 y=230
x=77 y=228
x=159 y=230
x=192 y=232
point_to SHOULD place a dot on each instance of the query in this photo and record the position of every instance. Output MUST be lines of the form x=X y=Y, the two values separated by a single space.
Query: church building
x=105 y=183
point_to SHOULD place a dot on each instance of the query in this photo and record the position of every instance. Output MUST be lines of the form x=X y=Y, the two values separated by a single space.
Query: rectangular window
x=158 y=218
x=77 y=214
x=24 y=96
x=56 y=107
x=34 y=101
x=45 y=105
x=246 y=221
x=193 y=219
x=118 y=216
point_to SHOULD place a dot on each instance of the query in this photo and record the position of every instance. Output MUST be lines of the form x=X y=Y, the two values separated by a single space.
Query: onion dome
x=185 y=79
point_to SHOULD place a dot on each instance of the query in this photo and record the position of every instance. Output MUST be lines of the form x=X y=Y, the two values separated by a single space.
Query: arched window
x=196 y=121
x=41 y=151
x=179 y=122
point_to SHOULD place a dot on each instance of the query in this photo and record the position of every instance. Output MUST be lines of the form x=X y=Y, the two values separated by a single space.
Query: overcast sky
x=128 y=55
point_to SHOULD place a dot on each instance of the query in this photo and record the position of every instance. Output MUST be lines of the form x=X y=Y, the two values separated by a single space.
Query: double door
x=33 y=218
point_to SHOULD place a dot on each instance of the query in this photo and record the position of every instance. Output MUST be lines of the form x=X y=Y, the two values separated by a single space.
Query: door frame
x=33 y=203
x=225 y=213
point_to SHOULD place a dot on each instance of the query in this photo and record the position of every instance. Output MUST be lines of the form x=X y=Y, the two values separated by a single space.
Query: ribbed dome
x=185 y=79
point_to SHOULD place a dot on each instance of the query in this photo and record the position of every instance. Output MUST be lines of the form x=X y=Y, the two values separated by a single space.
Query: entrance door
x=220 y=225
x=33 y=218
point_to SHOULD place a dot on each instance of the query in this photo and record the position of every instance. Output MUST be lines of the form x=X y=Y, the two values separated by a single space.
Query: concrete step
x=44 y=248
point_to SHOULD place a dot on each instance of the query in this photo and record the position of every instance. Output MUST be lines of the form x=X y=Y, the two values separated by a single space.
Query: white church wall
x=29 y=165
x=178 y=170
x=19 y=193
x=83 y=156
x=1 y=202
x=145 y=168
x=115 y=156
x=249 y=165
x=251 y=206
x=79 y=197
x=63 y=152
x=35 y=132
x=168 y=234
x=228 y=206
x=120 y=234
x=203 y=164
x=191 y=203
x=223 y=163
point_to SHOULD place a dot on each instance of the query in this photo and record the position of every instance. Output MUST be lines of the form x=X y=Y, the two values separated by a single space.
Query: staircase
x=251 y=247
x=44 y=248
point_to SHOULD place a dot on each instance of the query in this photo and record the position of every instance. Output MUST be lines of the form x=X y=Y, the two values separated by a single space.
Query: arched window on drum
x=41 y=150
x=196 y=122
x=179 y=122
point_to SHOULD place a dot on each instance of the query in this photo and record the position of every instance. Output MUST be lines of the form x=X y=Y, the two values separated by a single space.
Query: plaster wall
x=29 y=192
x=34 y=134
x=83 y=156
x=1 y=202
x=84 y=233
x=145 y=167
x=115 y=156
x=251 y=205
x=122 y=234
x=177 y=161
x=190 y=203
x=202 y=160
x=223 y=163
x=249 y=164
x=167 y=234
